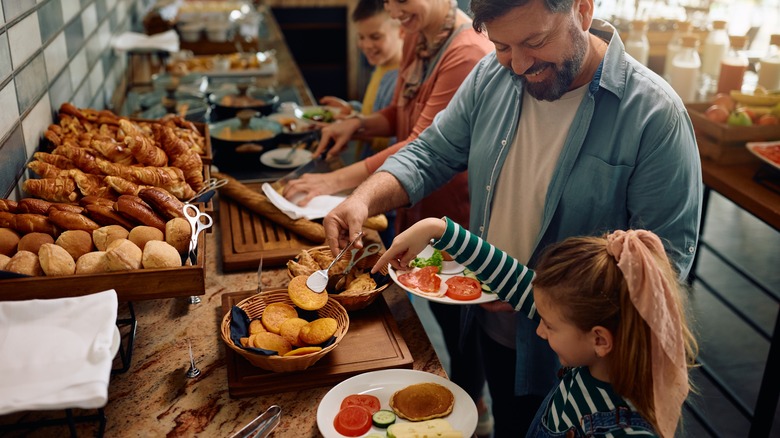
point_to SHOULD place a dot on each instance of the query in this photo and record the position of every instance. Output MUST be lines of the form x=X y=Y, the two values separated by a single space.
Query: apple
x=768 y=119
x=717 y=113
x=739 y=118
x=724 y=100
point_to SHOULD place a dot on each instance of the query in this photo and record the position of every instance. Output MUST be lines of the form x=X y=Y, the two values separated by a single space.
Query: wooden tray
x=373 y=342
x=246 y=237
x=140 y=284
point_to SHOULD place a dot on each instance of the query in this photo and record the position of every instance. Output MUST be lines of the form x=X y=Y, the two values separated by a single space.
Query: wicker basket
x=254 y=307
x=353 y=300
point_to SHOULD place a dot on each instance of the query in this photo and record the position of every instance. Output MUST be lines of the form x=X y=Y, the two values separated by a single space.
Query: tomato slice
x=463 y=288
x=368 y=401
x=352 y=421
x=428 y=280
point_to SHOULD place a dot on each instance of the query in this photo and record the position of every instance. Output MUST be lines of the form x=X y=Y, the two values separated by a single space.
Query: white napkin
x=128 y=41
x=317 y=208
x=56 y=354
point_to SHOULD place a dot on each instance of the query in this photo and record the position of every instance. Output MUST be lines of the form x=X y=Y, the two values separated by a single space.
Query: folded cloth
x=317 y=208
x=167 y=41
x=56 y=353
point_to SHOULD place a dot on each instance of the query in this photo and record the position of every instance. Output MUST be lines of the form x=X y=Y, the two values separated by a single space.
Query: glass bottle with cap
x=716 y=47
x=733 y=66
x=684 y=75
x=675 y=44
x=637 y=44
x=769 y=65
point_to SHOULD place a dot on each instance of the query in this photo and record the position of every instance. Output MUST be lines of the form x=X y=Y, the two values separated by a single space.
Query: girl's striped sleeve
x=508 y=278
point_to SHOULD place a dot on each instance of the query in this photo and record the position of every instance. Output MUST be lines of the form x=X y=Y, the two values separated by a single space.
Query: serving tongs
x=319 y=280
x=263 y=425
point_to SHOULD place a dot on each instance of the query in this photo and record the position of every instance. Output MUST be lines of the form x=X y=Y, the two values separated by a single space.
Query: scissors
x=208 y=186
x=194 y=216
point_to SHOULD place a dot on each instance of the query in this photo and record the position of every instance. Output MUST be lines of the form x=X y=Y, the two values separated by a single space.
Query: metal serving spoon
x=319 y=279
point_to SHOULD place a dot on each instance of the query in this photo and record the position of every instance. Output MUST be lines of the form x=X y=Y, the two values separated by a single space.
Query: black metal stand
x=126 y=348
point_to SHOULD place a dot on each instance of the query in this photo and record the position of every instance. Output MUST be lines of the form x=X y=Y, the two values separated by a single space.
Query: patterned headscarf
x=653 y=298
x=414 y=75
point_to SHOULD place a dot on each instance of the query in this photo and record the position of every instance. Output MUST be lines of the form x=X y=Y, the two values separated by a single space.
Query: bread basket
x=353 y=300
x=254 y=307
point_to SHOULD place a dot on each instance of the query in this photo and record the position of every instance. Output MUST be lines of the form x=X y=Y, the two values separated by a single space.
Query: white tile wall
x=56 y=56
x=96 y=77
x=121 y=11
x=36 y=122
x=2 y=17
x=89 y=20
x=10 y=111
x=78 y=68
x=69 y=9
x=104 y=34
x=24 y=38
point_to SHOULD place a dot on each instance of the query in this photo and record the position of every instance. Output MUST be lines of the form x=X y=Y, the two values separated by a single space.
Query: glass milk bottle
x=637 y=44
x=769 y=65
x=684 y=75
x=716 y=47
x=675 y=44
x=733 y=66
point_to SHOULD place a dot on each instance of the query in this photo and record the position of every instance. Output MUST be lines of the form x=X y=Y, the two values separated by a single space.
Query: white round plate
x=299 y=158
x=456 y=270
x=383 y=384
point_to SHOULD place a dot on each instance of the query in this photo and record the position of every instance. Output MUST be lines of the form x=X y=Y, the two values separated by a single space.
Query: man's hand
x=305 y=188
x=339 y=133
x=343 y=223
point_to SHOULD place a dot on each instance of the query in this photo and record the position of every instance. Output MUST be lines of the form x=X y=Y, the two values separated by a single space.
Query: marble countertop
x=155 y=398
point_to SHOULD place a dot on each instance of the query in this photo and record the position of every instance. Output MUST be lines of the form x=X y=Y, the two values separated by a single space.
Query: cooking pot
x=238 y=142
x=227 y=103
x=194 y=110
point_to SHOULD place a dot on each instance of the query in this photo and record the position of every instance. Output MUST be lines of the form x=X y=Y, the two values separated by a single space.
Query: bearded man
x=563 y=134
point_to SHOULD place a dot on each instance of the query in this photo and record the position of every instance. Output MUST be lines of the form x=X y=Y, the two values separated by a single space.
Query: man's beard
x=558 y=84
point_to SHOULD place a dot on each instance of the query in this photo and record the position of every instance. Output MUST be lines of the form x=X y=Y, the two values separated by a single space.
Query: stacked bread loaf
x=97 y=153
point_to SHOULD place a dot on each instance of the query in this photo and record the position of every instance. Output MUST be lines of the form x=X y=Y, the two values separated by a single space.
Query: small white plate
x=383 y=384
x=455 y=270
x=299 y=158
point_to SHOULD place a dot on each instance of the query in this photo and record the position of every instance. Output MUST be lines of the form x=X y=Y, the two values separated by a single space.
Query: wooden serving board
x=373 y=342
x=247 y=236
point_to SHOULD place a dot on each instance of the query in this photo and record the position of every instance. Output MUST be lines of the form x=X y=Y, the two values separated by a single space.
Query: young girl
x=612 y=310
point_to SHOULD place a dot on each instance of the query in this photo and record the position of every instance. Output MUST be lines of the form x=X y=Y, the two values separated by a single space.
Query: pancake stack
x=423 y=401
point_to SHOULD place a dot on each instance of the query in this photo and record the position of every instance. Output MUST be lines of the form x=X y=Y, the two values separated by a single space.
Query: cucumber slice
x=383 y=418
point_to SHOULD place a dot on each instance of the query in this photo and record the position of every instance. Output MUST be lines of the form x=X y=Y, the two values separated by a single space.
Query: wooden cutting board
x=247 y=236
x=373 y=342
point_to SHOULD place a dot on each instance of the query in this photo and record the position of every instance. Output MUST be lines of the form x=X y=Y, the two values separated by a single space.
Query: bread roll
x=33 y=205
x=142 y=234
x=55 y=261
x=92 y=200
x=123 y=255
x=158 y=254
x=75 y=242
x=8 y=241
x=3 y=261
x=8 y=205
x=105 y=215
x=136 y=209
x=178 y=233
x=33 y=241
x=162 y=202
x=103 y=236
x=25 y=262
x=7 y=220
x=34 y=223
x=92 y=263
x=68 y=220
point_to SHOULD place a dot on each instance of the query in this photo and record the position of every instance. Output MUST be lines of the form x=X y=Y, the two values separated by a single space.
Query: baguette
x=105 y=215
x=34 y=206
x=68 y=220
x=259 y=203
x=163 y=202
x=8 y=205
x=34 y=223
x=136 y=209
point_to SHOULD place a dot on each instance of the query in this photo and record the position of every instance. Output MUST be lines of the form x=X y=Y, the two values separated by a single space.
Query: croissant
x=60 y=189
x=81 y=157
x=115 y=152
x=56 y=160
x=90 y=184
x=71 y=125
x=45 y=170
x=123 y=186
x=54 y=134
x=142 y=147
x=181 y=156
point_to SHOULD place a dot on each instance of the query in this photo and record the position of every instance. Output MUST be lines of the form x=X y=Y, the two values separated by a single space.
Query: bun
x=103 y=236
x=105 y=215
x=178 y=233
x=55 y=261
x=75 y=242
x=162 y=201
x=33 y=241
x=8 y=241
x=137 y=210
x=4 y=259
x=25 y=262
x=68 y=220
x=123 y=255
x=92 y=263
x=158 y=254
x=142 y=234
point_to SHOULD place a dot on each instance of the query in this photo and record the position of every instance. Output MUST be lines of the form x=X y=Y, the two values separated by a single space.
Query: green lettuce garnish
x=435 y=259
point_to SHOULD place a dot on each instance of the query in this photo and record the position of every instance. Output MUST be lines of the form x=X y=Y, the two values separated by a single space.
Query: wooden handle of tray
x=259 y=203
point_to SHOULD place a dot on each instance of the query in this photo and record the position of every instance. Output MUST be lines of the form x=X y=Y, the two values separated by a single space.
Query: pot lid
x=245 y=123
x=192 y=109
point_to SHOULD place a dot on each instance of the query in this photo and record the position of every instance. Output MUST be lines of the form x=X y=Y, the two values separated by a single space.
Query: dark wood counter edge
x=737 y=184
